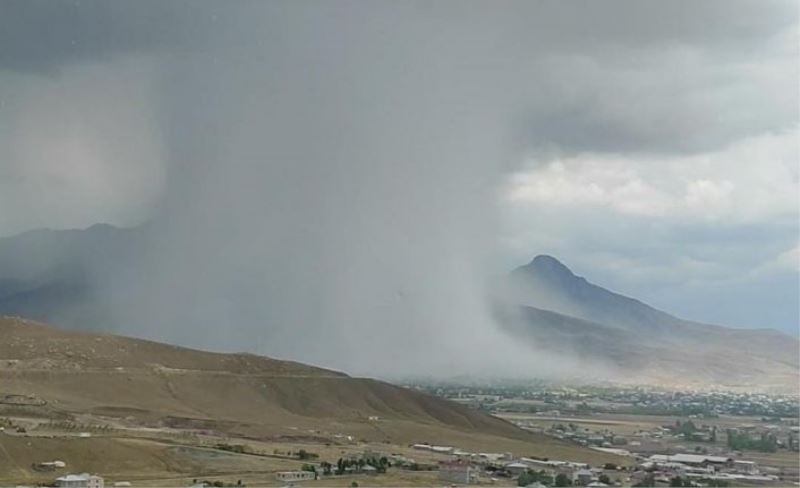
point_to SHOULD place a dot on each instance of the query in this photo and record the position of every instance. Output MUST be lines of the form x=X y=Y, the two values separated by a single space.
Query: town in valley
x=641 y=436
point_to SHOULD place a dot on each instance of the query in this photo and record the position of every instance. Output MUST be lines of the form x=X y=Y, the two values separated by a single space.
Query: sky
x=372 y=162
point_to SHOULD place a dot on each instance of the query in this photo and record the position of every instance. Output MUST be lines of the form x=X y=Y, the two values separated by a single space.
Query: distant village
x=460 y=467
x=466 y=468
x=663 y=439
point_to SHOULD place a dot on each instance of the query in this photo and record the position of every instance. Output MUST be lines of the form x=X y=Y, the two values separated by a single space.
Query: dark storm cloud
x=331 y=167
x=589 y=65
x=42 y=36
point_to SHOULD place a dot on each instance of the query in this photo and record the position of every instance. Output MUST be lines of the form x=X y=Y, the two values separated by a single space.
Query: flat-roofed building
x=83 y=480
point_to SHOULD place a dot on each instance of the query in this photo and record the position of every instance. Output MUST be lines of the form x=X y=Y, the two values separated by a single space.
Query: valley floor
x=146 y=456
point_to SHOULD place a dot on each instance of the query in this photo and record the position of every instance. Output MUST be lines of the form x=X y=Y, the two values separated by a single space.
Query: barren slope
x=77 y=372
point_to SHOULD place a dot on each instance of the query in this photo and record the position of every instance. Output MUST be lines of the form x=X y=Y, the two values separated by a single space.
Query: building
x=83 y=480
x=582 y=477
x=553 y=464
x=516 y=469
x=456 y=472
x=289 y=476
x=692 y=459
x=50 y=465
x=747 y=467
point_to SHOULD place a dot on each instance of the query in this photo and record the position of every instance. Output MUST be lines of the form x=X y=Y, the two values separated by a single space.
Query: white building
x=516 y=469
x=582 y=477
x=51 y=465
x=288 y=476
x=83 y=480
x=456 y=472
x=691 y=459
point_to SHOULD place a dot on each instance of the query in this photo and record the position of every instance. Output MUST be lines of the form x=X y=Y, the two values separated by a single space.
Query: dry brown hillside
x=38 y=346
x=78 y=373
x=147 y=405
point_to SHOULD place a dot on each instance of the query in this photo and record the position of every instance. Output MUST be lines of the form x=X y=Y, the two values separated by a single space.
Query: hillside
x=74 y=373
x=158 y=410
x=553 y=309
x=29 y=345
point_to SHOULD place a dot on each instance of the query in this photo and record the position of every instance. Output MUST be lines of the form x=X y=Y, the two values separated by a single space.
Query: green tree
x=525 y=479
x=547 y=479
x=563 y=480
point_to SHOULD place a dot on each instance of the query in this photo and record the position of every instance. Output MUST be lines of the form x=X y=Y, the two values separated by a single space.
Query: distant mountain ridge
x=547 y=283
x=64 y=276
x=552 y=308
x=53 y=275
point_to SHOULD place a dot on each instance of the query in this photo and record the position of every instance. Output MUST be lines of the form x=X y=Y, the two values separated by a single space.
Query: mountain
x=546 y=283
x=55 y=275
x=553 y=309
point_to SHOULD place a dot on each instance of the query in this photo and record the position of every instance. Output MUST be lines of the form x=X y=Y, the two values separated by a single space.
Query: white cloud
x=788 y=260
x=711 y=237
x=754 y=179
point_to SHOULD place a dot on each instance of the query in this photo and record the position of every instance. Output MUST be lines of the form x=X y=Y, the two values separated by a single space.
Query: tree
x=380 y=465
x=603 y=478
x=525 y=479
x=354 y=484
x=563 y=480
x=738 y=441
